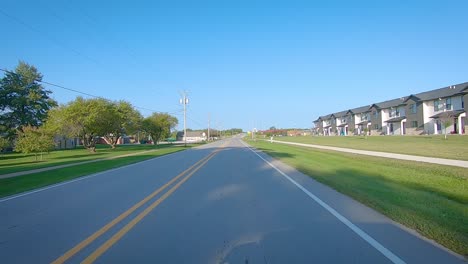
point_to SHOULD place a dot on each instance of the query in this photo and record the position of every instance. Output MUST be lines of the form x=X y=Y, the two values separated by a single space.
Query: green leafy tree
x=4 y=143
x=23 y=100
x=159 y=125
x=87 y=119
x=34 y=140
x=122 y=119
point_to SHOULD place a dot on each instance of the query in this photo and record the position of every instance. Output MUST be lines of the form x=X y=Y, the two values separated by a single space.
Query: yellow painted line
x=104 y=229
x=115 y=238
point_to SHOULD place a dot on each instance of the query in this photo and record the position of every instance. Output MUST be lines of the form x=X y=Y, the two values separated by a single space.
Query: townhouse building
x=389 y=117
x=341 y=123
x=417 y=114
x=359 y=119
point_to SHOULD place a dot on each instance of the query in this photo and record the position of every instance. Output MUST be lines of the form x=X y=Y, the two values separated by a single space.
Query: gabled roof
x=441 y=92
x=362 y=109
x=327 y=117
x=341 y=114
x=389 y=103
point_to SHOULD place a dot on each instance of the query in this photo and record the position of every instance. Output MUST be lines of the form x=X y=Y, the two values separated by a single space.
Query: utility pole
x=208 y=138
x=185 y=101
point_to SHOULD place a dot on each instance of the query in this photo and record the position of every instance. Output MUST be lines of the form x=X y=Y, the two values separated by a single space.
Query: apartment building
x=416 y=114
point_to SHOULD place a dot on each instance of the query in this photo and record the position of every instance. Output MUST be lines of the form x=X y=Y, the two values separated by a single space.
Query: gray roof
x=326 y=117
x=453 y=113
x=441 y=92
x=396 y=119
x=390 y=103
x=362 y=109
x=340 y=114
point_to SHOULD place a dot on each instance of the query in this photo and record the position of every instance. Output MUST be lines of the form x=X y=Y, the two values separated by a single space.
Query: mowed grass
x=455 y=147
x=16 y=162
x=28 y=182
x=431 y=199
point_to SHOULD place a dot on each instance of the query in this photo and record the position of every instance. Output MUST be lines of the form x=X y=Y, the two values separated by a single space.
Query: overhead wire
x=91 y=95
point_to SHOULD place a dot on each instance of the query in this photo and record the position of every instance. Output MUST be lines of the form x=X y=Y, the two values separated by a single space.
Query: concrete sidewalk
x=448 y=162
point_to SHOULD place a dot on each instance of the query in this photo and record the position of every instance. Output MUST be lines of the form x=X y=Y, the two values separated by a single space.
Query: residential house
x=341 y=122
x=318 y=126
x=465 y=106
x=359 y=119
x=435 y=105
x=392 y=117
x=416 y=114
x=328 y=122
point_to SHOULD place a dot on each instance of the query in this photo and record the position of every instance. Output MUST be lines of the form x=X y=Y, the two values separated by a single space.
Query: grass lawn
x=28 y=182
x=455 y=147
x=15 y=162
x=431 y=199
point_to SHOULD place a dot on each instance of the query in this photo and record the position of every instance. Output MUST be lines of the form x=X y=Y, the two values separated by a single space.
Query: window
x=343 y=120
x=376 y=114
x=414 y=123
x=413 y=108
x=376 y=126
x=436 y=106
x=448 y=104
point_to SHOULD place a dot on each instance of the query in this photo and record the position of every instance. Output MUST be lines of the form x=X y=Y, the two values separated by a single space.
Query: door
x=455 y=125
x=403 y=128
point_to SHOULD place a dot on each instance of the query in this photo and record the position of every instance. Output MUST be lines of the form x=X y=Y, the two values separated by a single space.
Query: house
x=318 y=126
x=192 y=136
x=390 y=116
x=328 y=122
x=359 y=119
x=416 y=114
x=430 y=107
x=341 y=121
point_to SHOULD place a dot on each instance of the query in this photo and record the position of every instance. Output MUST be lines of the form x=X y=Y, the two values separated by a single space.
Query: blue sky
x=247 y=63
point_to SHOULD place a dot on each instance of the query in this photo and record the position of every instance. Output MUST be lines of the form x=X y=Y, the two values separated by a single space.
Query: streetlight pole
x=185 y=101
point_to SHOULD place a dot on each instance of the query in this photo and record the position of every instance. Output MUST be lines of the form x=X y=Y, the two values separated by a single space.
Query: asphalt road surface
x=219 y=203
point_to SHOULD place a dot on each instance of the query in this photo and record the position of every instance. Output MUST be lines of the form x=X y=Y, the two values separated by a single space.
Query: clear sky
x=247 y=63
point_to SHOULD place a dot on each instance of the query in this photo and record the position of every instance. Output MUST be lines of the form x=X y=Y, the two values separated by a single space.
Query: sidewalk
x=448 y=162
x=21 y=173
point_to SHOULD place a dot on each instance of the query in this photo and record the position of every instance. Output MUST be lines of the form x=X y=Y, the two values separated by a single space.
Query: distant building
x=192 y=136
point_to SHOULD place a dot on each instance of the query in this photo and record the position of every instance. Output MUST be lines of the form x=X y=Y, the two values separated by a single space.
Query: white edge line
x=374 y=243
x=79 y=178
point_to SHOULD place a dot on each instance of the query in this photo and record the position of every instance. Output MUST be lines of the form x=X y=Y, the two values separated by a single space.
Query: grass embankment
x=28 y=182
x=455 y=147
x=431 y=199
x=16 y=162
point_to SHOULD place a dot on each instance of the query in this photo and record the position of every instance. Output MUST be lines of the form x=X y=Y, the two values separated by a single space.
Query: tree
x=122 y=119
x=445 y=119
x=34 y=140
x=159 y=125
x=23 y=100
x=87 y=119
x=4 y=143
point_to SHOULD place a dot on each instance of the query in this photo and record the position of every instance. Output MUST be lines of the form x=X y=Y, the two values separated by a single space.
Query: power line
x=47 y=36
x=90 y=95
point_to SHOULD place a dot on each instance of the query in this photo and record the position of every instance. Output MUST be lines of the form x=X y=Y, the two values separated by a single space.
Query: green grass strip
x=431 y=199
x=455 y=147
x=15 y=185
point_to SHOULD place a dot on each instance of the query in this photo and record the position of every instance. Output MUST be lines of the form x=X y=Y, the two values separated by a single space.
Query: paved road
x=220 y=203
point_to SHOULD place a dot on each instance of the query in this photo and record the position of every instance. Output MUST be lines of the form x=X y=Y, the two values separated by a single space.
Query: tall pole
x=208 y=139
x=185 y=101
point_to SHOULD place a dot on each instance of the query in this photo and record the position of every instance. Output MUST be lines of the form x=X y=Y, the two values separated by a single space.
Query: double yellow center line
x=116 y=237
